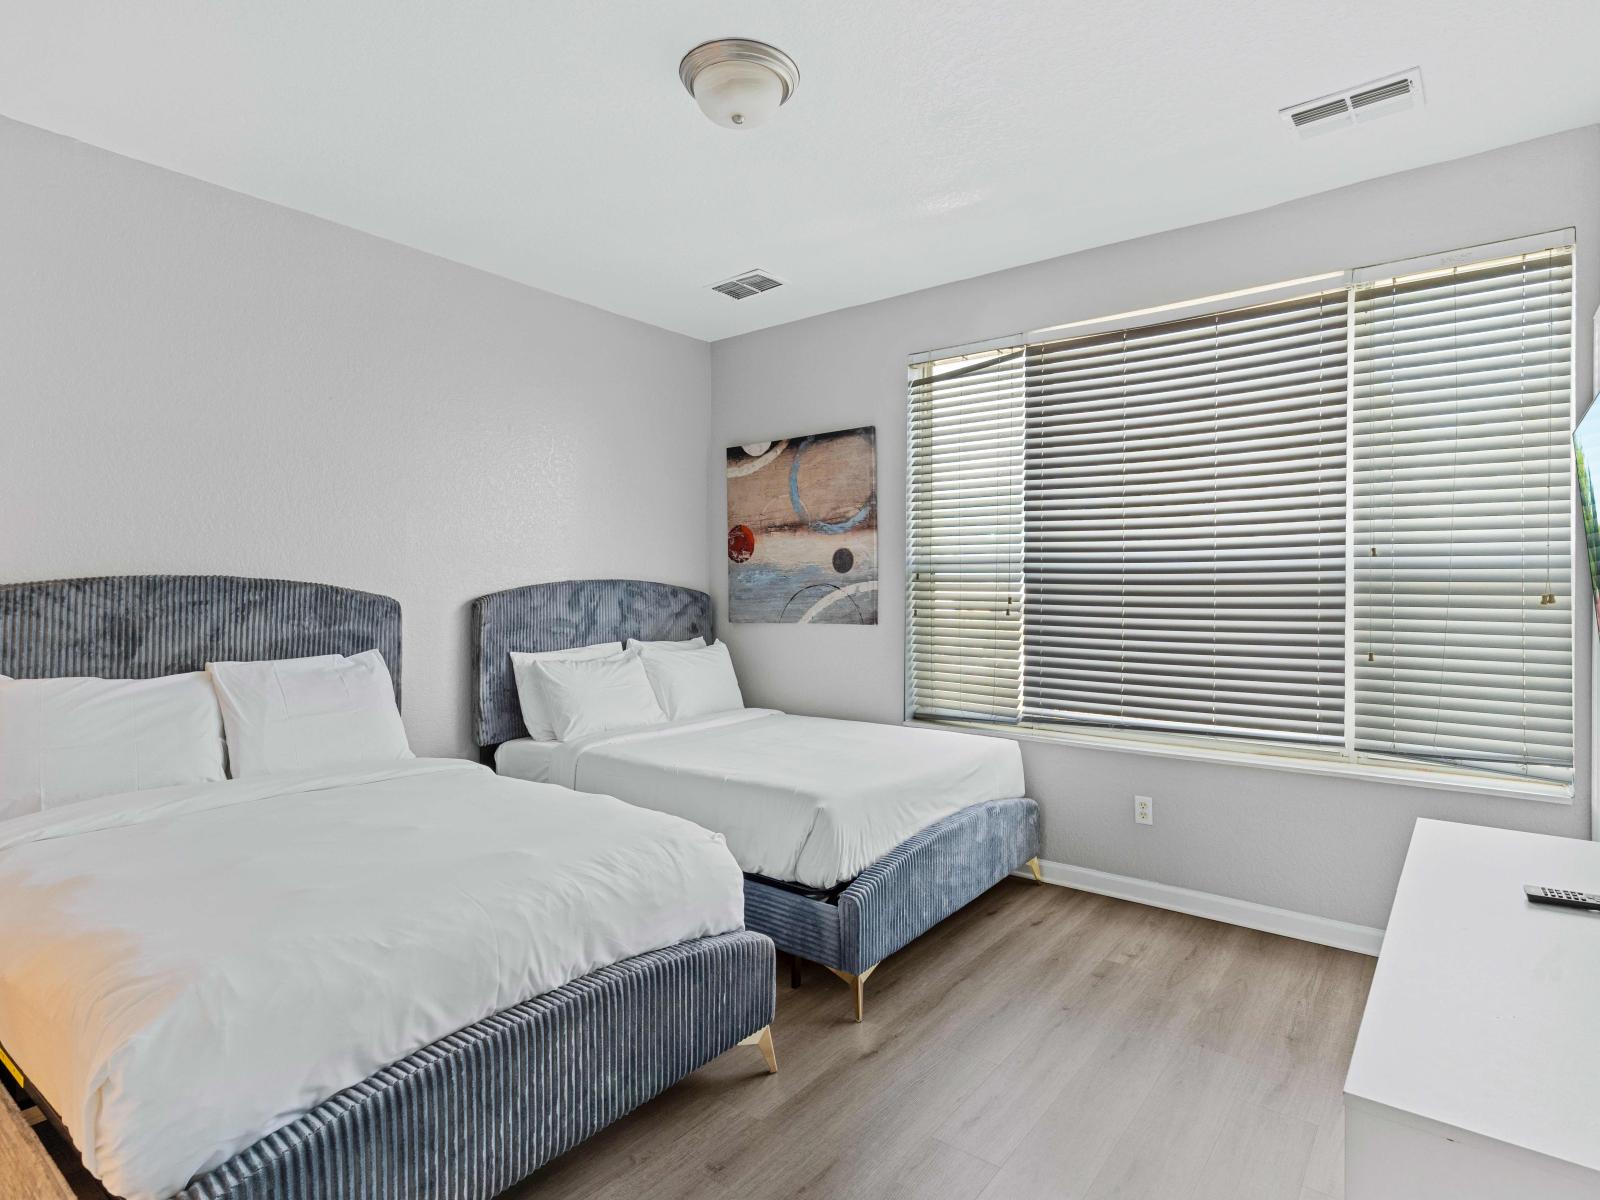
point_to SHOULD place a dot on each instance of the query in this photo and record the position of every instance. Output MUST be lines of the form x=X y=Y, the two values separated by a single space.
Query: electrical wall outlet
x=1144 y=810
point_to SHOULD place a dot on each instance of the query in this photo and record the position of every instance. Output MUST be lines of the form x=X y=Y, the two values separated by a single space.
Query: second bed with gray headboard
x=850 y=928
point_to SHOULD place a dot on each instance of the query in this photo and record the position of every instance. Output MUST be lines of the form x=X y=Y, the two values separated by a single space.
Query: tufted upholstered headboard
x=140 y=626
x=559 y=616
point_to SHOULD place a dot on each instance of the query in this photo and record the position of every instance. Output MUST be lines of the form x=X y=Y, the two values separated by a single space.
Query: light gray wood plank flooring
x=1044 y=1043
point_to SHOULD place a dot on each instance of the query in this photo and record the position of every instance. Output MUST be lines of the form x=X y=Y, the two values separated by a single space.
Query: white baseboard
x=1363 y=939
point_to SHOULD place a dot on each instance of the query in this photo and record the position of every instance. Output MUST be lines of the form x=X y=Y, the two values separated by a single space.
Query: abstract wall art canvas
x=803 y=530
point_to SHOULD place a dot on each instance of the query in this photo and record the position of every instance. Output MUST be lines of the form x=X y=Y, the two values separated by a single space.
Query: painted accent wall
x=192 y=380
x=1327 y=846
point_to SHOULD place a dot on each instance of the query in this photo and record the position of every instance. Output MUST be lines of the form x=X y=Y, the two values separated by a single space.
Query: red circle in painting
x=741 y=543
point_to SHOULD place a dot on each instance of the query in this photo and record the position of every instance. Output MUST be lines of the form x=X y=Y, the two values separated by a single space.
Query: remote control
x=1563 y=897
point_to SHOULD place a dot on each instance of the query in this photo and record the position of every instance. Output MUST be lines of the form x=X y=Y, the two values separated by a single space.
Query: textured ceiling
x=551 y=142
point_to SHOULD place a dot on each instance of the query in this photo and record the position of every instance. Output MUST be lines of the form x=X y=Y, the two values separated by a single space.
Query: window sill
x=1304 y=762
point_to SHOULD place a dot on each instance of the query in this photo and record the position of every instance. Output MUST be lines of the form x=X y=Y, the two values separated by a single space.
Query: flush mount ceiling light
x=738 y=83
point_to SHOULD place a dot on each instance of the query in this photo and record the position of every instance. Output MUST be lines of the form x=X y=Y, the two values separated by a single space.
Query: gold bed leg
x=762 y=1039
x=1033 y=865
x=858 y=985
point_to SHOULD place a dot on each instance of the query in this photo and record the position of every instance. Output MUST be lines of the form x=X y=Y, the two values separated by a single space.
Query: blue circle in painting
x=844 y=526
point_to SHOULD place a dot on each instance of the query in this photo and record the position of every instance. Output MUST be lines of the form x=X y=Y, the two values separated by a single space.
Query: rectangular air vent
x=1365 y=103
x=1395 y=89
x=747 y=284
x=1322 y=112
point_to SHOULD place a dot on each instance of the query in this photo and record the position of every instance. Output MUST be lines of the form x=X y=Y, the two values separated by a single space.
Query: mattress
x=525 y=758
x=188 y=969
x=803 y=800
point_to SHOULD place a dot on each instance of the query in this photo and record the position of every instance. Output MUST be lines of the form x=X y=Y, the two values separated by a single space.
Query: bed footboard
x=923 y=880
x=472 y=1114
x=904 y=894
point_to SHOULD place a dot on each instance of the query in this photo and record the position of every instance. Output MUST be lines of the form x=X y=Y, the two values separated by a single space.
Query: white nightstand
x=1476 y=1075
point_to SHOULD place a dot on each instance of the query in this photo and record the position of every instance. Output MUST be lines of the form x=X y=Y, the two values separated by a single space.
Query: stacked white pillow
x=301 y=714
x=569 y=694
x=694 y=643
x=75 y=738
x=530 y=692
x=586 y=696
x=695 y=682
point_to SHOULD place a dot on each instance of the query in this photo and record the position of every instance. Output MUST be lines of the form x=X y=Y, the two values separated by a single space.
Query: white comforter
x=186 y=969
x=803 y=799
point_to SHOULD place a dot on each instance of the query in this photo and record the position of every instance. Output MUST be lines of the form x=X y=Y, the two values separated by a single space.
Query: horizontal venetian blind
x=1185 y=507
x=964 y=535
x=1462 y=461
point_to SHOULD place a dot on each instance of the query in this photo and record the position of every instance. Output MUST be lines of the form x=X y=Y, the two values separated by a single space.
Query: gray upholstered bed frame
x=561 y=616
x=142 y=626
x=471 y=1114
x=912 y=888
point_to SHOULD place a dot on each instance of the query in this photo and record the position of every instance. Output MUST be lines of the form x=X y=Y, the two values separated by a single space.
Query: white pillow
x=694 y=643
x=693 y=683
x=295 y=714
x=586 y=696
x=530 y=695
x=76 y=738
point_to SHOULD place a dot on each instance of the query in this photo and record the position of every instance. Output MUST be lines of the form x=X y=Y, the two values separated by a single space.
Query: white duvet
x=803 y=799
x=186 y=969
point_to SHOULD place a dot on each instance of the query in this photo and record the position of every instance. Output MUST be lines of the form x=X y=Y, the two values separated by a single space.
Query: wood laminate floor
x=1042 y=1043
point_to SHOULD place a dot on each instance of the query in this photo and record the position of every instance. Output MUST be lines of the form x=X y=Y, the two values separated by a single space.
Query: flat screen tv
x=1586 y=460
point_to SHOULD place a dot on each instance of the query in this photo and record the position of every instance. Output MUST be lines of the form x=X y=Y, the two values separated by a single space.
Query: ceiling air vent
x=1365 y=103
x=747 y=284
x=1322 y=112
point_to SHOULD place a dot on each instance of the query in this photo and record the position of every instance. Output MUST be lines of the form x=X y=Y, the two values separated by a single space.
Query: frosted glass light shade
x=738 y=95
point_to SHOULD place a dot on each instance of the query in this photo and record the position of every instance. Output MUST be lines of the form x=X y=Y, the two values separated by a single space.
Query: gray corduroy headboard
x=559 y=616
x=140 y=626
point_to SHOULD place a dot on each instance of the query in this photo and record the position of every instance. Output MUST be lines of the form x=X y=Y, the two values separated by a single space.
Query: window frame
x=1246 y=751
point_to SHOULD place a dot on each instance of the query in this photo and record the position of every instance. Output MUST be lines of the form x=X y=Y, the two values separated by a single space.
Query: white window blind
x=1184 y=524
x=1462 y=515
x=964 y=535
x=1338 y=519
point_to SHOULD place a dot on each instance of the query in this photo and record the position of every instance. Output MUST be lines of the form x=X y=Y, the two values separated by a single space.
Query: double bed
x=391 y=980
x=854 y=838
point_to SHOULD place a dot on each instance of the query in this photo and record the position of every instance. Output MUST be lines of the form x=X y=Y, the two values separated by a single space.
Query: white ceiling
x=930 y=140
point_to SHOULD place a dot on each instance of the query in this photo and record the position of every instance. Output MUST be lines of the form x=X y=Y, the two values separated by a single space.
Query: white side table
x=1476 y=1075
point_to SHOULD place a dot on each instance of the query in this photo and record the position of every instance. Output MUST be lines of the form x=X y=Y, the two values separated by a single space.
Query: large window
x=1333 y=516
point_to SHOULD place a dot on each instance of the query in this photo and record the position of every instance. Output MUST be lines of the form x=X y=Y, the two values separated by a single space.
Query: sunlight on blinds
x=1462 y=538
x=964 y=536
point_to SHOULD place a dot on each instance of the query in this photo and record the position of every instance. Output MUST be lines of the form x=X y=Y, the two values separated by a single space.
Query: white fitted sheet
x=803 y=799
x=534 y=761
x=187 y=969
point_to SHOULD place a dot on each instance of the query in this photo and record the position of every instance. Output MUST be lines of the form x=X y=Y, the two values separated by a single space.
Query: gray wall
x=1327 y=846
x=193 y=380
